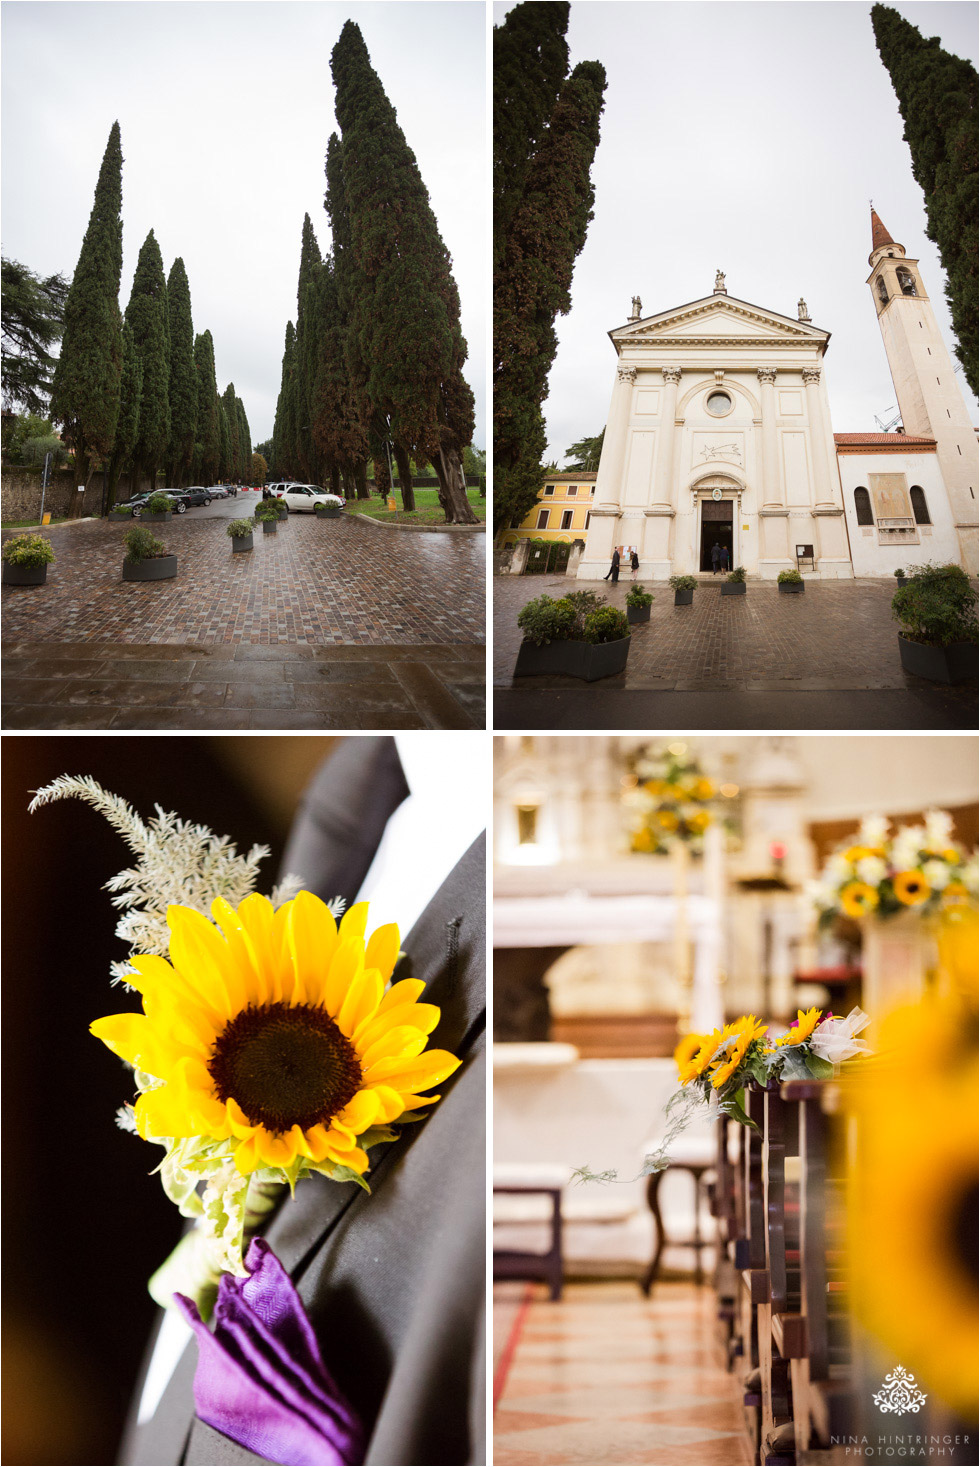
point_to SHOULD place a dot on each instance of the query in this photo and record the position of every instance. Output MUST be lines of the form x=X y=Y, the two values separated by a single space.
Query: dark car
x=219 y=491
x=196 y=495
x=139 y=503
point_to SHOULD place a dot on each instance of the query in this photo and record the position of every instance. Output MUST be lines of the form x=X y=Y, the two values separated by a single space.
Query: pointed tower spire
x=879 y=234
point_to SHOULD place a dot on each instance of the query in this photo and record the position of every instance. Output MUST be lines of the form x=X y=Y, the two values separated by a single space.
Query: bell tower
x=929 y=396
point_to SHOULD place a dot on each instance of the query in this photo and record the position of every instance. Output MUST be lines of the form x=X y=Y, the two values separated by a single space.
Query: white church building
x=719 y=432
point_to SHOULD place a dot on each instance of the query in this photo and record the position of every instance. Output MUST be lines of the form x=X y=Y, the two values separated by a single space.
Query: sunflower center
x=286 y=1065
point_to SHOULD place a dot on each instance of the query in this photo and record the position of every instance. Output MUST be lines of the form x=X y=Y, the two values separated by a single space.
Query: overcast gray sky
x=746 y=137
x=225 y=110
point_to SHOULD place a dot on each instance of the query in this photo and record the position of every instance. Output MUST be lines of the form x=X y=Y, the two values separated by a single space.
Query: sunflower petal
x=347 y=964
x=406 y=990
x=421 y=1016
x=354 y=920
x=247 y=1157
x=311 y=937
x=276 y=1150
x=258 y=918
x=390 y=1103
x=382 y=950
x=398 y=1043
x=241 y=951
x=428 y=1069
x=239 y=1122
x=160 y=1113
x=360 y=1112
x=361 y=1002
x=200 y=954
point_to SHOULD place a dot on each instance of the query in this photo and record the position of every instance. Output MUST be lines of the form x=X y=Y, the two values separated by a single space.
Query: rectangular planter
x=637 y=614
x=327 y=512
x=791 y=588
x=573 y=659
x=269 y=527
x=24 y=575
x=157 y=568
x=156 y=519
x=733 y=588
x=241 y=543
x=684 y=598
x=956 y=663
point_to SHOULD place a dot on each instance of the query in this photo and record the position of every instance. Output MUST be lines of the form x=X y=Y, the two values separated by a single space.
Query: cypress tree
x=244 y=443
x=127 y=424
x=229 y=403
x=337 y=431
x=533 y=285
x=88 y=376
x=342 y=369
x=183 y=377
x=937 y=97
x=207 y=447
x=147 y=316
x=283 y=436
x=225 y=468
x=406 y=307
x=309 y=266
x=530 y=62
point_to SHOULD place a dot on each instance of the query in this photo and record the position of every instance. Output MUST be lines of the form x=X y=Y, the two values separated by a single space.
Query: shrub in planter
x=734 y=582
x=937 y=612
x=267 y=515
x=791 y=583
x=900 y=576
x=578 y=635
x=26 y=559
x=606 y=624
x=147 y=558
x=546 y=620
x=120 y=512
x=241 y=535
x=158 y=508
x=683 y=588
x=638 y=603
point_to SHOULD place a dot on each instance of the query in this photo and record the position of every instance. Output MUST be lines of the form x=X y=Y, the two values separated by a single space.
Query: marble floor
x=608 y=1377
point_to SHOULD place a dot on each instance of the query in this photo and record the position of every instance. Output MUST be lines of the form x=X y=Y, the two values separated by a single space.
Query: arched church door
x=716 y=529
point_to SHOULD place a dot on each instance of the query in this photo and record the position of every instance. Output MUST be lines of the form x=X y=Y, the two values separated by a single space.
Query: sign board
x=46 y=517
x=804 y=552
x=81 y=488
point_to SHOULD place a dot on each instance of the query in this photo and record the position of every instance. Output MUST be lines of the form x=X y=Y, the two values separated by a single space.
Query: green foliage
x=207 y=445
x=238 y=529
x=225 y=469
x=937 y=97
x=33 y=317
x=788 y=578
x=898 y=572
x=130 y=395
x=142 y=544
x=738 y=574
x=637 y=598
x=283 y=433
x=532 y=284
x=28 y=550
x=258 y=469
x=30 y=439
x=606 y=624
x=937 y=605
x=268 y=509
x=545 y=620
x=146 y=314
x=159 y=504
x=182 y=388
x=85 y=390
x=683 y=583
x=585 y=454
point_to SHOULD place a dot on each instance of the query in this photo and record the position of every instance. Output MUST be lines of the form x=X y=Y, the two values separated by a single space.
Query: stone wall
x=20 y=493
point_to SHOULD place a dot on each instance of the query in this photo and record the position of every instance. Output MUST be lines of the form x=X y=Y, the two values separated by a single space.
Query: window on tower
x=906 y=281
x=882 y=290
x=862 y=507
x=919 y=507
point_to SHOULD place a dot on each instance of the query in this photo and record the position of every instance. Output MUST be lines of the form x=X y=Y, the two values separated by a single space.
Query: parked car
x=219 y=491
x=299 y=497
x=196 y=494
x=139 y=503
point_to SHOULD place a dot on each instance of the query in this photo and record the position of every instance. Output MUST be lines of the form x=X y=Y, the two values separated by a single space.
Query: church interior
x=792 y=1275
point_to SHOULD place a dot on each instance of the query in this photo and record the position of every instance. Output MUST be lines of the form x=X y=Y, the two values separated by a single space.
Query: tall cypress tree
x=225 y=466
x=183 y=377
x=229 y=403
x=207 y=446
x=147 y=316
x=309 y=265
x=937 y=97
x=406 y=308
x=530 y=62
x=337 y=430
x=244 y=443
x=533 y=285
x=87 y=379
x=283 y=436
x=343 y=409
x=127 y=424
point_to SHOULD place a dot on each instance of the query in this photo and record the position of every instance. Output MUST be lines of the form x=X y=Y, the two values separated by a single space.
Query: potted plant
x=683 y=588
x=158 y=509
x=734 y=583
x=578 y=635
x=267 y=515
x=638 y=603
x=900 y=578
x=26 y=559
x=120 y=512
x=327 y=511
x=241 y=535
x=147 y=558
x=790 y=583
x=282 y=508
x=937 y=612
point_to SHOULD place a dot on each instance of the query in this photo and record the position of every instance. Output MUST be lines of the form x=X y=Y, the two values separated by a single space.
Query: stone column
x=828 y=511
x=823 y=480
x=772 y=497
x=607 y=508
x=655 y=552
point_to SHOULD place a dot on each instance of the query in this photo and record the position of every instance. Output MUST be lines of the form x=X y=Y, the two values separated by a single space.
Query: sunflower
x=667 y=819
x=272 y=1029
x=699 y=822
x=687 y=1049
x=745 y=1030
x=911 y=888
x=642 y=840
x=859 y=853
x=857 y=899
x=698 y=1062
x=802 y=1029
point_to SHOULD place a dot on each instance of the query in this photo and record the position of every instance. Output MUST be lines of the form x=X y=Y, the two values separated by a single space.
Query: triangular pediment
x=718 y=318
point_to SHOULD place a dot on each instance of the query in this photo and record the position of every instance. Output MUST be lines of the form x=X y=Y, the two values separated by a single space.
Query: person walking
x=715 y=558
x=725 y=558
x=634 y=562
x=614 y=568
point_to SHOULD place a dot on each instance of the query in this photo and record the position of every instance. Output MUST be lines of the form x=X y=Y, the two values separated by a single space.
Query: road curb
x=425 y=529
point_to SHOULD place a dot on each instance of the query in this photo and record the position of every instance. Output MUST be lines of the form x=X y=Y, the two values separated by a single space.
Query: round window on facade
x=718 y=404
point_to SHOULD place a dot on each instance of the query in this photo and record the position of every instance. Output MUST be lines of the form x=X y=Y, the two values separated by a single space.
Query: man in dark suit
x=394 y=1282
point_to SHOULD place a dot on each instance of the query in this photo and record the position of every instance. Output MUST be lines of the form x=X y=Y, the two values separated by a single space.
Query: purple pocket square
x=260 y=1378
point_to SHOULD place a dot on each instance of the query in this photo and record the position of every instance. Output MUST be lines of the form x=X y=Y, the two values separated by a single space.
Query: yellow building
x=561 y=513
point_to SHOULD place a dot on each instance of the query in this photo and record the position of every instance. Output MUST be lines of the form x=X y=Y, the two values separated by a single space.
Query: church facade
x=719 y=433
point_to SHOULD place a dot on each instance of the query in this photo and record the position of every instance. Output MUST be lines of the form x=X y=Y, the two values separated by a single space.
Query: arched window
x=882 y=290
x=862 y=505
x=906 y=282
x=919 y=507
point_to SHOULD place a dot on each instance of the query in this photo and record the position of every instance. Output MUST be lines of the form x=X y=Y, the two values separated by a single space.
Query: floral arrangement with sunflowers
x=919 y=867
x=271 y=1043
x=671 y=800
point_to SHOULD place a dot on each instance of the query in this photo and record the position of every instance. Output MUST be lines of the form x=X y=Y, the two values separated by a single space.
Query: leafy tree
x=405 y=311
x=127 y=425
x=530 y=62
x=585 y=453
x=265 y=449
x=207 y=446
x=33 y=311
x=533 y=285
x=259 y=468
x=183 y=377
x=86 y=386
x=937 y=97
x=31 y=437
x=146 y=315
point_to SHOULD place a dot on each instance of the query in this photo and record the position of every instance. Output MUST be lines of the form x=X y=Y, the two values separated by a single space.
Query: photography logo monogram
x=899 y=1393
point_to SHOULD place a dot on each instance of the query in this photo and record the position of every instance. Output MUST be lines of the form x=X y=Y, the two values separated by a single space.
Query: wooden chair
x=695 y=1155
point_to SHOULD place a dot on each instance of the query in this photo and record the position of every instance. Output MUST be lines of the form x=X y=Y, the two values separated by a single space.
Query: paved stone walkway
x=826 y=659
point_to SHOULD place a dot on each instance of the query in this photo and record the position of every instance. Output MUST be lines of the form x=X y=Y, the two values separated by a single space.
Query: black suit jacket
x=394 y=1283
